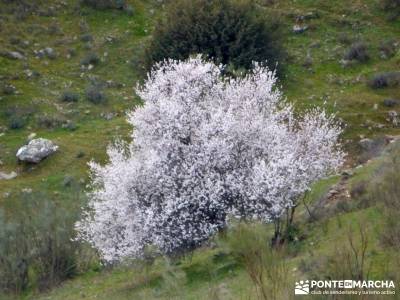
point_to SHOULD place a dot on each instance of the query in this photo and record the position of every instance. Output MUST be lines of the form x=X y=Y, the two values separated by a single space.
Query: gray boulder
x=36 y=150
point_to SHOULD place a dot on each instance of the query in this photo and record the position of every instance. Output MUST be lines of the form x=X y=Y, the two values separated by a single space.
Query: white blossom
x=204 y=147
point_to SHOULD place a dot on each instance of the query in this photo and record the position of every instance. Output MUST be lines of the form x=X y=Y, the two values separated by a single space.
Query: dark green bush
x=86 y=37
x=392 y=7
x=382 y=80
x=69 y=96
x=233 y=33
x=16 y=123
x=90 y=59
x=8 y=89
x=95 y=95
x=18 y=115
x=104 y=4
x=357 y=51
x=388 y=48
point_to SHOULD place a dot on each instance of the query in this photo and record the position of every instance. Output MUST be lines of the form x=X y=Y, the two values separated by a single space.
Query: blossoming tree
x=204 y=148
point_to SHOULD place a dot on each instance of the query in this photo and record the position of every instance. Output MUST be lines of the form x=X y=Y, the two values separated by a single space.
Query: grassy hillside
x=320 y=250
x=111 y=42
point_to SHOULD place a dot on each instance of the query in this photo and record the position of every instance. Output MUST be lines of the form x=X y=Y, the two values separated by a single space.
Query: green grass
x=343 y=90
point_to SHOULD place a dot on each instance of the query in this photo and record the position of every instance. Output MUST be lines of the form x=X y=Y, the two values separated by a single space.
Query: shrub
x=95 y=95
x=86 y=37
x=69 y=96
x=49 y=121
x=266 y=266
x=36 y=246
x=104 y=4
x=386 y=189
x=90 y=59
x=358 y=51
x=233 y=33
x=129 y=10
x=345 y=38
x=16 y=122
x=8 y=89
x=392 y=7
x=18 y=115
x=387 y=48
x=382 y=80
x=350 y=259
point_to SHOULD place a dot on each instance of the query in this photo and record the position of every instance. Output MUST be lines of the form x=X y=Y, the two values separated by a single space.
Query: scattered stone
x=113 y=84
x=31 y=136
x=347 y=173
x=69 y=125
x=108 y=116
x=308 y=16
x=308 y=61
x=26 y=190
x=14 y=55
x=394 y=118
x=391 y=102
x=346 y=63
x=9 y=89
x=333 y=192
x=299 y=28
x=36 y=150
x=46 y=52
x=9 y=176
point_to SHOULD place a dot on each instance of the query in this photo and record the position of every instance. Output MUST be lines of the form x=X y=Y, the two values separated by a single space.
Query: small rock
x=31 y=136
x=333 y=192
x=391 y=102
x=299 y=28
x=108 y=116
x=347 y=173
x=345 y=63
x=50 y=52
x=394 y=117
x=15 y=55
x=26 y=190
x=36 y=150
x=9 y=176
